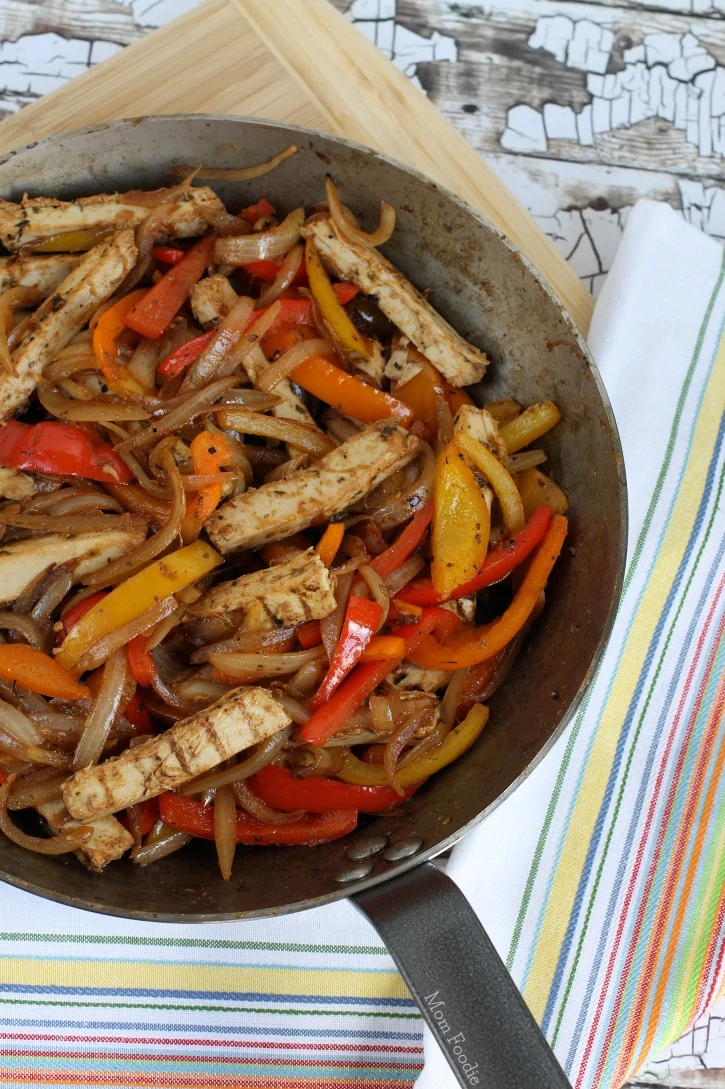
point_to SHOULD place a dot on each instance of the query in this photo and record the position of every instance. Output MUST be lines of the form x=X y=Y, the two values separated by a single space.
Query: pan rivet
x=367 y=847
x=355 y=873
x=403 y=849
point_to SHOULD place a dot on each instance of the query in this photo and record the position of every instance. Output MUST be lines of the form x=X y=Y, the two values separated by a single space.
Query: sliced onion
x=166 y=625
x=304 y=436
x=391 y=512
x=527 y=459
x=225 y=829
x=282 y=368
x=101 y=651
x=288 y=270
x=252 y=667
x=250 y=398
x=426 y=744
x=287 y=468
x=144 y=361
x=56 y=845
x=143 y=554
x=367 y=737
x=402 y=575
x=172 y=698
x=52 y=597
x=15 y=298
x=254 y=805
x=168 y=841
x=201 y=690
x=244 y=642
x=234 y=174
x=378 y=589
x=307 y=678
x=97 y=411
x=331 y=625
x=18 y=725
x=381 y=715
x=296 y=710
x=25 y=626
x=37 y=790
x=106 y=706
x=171 y=423
x=400 y=738
x=262 y=755
x=452 y=696
x=262 y=245
x=219 y=349
x=444 y=418
x=346 y=226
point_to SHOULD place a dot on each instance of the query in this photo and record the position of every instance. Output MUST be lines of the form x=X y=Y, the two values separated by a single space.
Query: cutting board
x=299 y=61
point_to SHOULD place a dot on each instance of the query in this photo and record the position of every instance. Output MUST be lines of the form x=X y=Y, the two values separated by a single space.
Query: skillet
x=493 y=297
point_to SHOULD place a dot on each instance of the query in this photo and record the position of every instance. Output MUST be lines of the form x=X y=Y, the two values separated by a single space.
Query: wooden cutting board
x=299 y=61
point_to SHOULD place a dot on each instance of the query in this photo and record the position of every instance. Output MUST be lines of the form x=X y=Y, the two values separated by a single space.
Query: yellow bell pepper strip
x=348 y=394
x=461 y=522
x=499 y=563
x=405 y=544
x=499 y=478
x=208 y=454
x=533 y=422
x=72 y=241
x=135 y=596
x=105 y=330
x=38 y=672
x=330 y=309
x=538 y=490
x=383 y=648
x=453 y=745
x=481 y=643
x=419 y=393
x=362 y=618
x=328 y=544
x=365 y=678
x=160 y=304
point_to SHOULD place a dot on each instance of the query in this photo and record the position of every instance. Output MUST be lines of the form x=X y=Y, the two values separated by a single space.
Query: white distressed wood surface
x=582 y=107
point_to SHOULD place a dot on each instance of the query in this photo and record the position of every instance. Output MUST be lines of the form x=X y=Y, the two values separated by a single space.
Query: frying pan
x=493 y=296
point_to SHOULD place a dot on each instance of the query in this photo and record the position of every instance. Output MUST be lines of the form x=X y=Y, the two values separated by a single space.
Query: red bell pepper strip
x=141 y=661
x=137 y=715
x=309 y=634
x=405 y=544
x=362 y=618
x=190 y=816
x=299 y=311
x=258 y=211
x=151 y=314
x=62 y=448
x=362 y=682
x=148 y=814
x=499 y=563
x=176 y=363
x=168 y=255
x=282 y=790
x=267 y=270
x=71 y=616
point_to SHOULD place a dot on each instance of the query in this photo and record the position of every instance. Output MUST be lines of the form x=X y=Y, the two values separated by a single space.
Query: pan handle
x=458 y=980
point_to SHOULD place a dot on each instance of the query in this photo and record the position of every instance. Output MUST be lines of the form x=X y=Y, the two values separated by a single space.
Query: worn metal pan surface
x=491 y=294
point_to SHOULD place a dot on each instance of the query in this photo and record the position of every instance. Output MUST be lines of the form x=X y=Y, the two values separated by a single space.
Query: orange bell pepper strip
x=160 y=304
x=208 y=454
x=328 y=544
x=419 y=393
x=330 y=307
x=309 y=634
x=32 y=669
x=383 y=648
x=105 y=330
x=481 y=643
x=461 y=522
x=348 y=394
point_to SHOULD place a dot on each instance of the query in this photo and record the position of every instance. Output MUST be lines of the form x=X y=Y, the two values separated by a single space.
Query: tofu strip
x=455 y=358
x=64 y=314
x=289 y=593
x=44 y=271
x=480 y=424
x=311 y=496
x=239 y=719
x=110 y=840
x=23 y=561
x=15 y=484
x=37 y=218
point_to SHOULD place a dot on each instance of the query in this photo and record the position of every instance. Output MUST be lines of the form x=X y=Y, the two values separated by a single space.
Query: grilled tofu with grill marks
x=22 y=561
x=455 y=358
x=311 y=496
x=64 y=314
x=110 y=840
x=239 y=719
x=290 y=593
x=46 y=271
x=35 y=219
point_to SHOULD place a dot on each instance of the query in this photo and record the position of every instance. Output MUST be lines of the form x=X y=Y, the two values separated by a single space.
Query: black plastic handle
x=460 y=983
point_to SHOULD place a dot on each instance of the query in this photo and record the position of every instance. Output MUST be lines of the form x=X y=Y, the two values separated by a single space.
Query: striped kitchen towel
x=600 y=879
